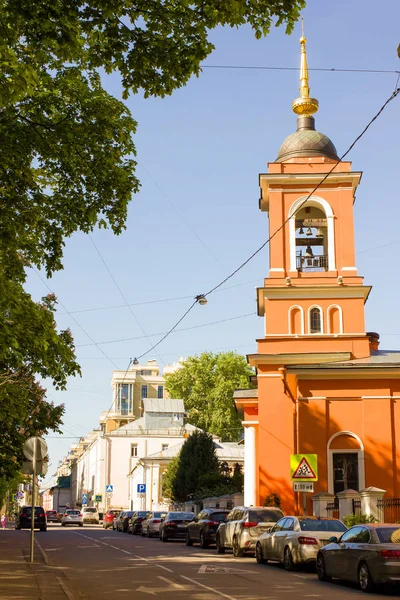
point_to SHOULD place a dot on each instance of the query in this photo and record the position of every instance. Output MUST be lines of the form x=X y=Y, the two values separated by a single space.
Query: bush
x=350 y=520
x=273 y=499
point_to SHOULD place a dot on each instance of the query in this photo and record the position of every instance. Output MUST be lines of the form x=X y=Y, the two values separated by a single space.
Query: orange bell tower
x=313 y=299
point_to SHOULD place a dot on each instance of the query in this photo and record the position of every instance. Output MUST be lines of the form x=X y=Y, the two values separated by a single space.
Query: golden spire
x=304 y=106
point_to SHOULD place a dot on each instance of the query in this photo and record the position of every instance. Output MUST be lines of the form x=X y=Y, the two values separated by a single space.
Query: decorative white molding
x=328 y=328
x=269 y=375
x=361 y=459
x=296 y=307
x=349 y=268
x=279 y=269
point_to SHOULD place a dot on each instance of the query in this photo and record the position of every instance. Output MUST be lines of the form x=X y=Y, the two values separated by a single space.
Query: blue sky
x=196 y=217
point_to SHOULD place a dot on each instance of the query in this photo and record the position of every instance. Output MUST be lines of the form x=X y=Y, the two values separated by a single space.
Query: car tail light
x=157 y=521
x=41 y=515
x=171 y=523
x=213 y=523
x=390 y=553
x=80 y=514
x=248 y=524
x=307 y=540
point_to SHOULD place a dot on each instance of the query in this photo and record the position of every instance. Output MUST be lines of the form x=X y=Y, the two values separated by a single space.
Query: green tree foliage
x=197 y=473
x=67 y=154
x=206 y=384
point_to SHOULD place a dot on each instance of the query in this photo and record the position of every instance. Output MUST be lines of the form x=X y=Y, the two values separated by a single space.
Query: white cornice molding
x=294 y=358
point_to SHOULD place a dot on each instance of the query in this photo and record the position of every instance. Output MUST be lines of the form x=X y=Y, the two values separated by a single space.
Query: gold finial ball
x=302 y=40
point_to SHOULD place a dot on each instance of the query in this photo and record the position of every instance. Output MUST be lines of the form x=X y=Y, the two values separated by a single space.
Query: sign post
x=33 y=500
x=304 y=471
x=35 y=451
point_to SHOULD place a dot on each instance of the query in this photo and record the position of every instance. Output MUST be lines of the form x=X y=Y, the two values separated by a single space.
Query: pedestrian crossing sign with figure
x=304 y=467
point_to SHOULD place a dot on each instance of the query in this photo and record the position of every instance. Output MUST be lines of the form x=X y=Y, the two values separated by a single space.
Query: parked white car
x=295 y=540
x=151 y=525
x=72 y=517
x=90 y=515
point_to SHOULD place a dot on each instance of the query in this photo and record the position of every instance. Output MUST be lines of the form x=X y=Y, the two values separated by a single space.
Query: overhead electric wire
x=322 y=69
x=130 y=339
x=73 y=318
x=121 y=293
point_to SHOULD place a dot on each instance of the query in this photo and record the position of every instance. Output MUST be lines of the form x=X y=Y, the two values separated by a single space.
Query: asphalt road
x=103 y=564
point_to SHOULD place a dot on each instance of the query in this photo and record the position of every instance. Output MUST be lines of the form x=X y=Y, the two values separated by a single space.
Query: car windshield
x=51 y=512
x=321 y=525
x=159 y=515
x=265 y=516
x=388 y=535
x=114 y=513
x=128 y=514
x=182 y=515
x=218 y=517
x=92 y=510
x=73 y=512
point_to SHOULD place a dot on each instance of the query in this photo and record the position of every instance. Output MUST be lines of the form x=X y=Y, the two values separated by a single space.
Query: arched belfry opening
x=312 y=244
x=311 y=239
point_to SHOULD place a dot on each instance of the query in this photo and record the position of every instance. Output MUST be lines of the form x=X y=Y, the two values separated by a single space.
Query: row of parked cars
x=367 y=554
x=69 y=516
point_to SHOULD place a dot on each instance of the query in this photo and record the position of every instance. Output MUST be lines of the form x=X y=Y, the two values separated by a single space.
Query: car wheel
x=203 y=541
x=220 y=548
x=189 y=541
x=43 y=529
x=259 y=555
x=149 y=535
x=80 y=524
x=364 y=578
x=288 y=559
x=321 y=569
x=237 y=551
x=62 y=524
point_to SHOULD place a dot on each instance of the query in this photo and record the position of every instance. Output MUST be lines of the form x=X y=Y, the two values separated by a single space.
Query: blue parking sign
x=141 y=488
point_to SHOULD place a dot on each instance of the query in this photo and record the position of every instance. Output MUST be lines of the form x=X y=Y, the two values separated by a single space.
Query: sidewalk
x=19 y=579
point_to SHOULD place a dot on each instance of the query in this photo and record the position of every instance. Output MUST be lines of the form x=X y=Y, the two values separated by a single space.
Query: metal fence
x=389 y=510
x=332 y=508
x=356 y=507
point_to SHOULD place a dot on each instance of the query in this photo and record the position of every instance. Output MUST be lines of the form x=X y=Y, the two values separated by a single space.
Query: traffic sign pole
x=33 y=501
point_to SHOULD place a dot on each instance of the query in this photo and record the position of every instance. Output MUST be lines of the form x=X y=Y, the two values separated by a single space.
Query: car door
x=195 y=526
x=230 y=526
x=357 y=547
x=283 y=537
x=272 y=541
x=339 y=557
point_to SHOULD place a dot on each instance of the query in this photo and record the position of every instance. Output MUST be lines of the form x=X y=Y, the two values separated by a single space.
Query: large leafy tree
x=206 y=384
x=67 y=154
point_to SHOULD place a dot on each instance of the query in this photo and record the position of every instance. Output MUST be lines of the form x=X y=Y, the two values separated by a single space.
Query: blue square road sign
x=141 y=488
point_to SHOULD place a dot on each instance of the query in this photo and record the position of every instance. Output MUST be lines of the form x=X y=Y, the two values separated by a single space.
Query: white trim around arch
x=326 y=207
x=361 y=459
x=328 y=323
x=289 y=319
x=321 y=312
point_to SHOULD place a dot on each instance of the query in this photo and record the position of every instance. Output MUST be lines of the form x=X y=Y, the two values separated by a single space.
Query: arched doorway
x=346 y=468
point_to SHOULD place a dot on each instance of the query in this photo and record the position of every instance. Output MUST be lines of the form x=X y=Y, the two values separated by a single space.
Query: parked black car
x=123 y=520
x=174 y=525
x=135 y=522
x=23 y=519
x=203 y=527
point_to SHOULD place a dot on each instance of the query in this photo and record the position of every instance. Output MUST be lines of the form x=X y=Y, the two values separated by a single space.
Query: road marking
x=155 y=564
x=175 y=585
x=211 y=569
x=210 y=589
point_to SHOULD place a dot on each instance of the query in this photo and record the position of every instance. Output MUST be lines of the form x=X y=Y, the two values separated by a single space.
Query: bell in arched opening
x=309 y=253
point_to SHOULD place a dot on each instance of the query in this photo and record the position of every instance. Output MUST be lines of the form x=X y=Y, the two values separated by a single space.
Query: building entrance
x=345 y=472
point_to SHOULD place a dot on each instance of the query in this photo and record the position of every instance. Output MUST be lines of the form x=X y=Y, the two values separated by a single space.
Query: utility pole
x=33 y=499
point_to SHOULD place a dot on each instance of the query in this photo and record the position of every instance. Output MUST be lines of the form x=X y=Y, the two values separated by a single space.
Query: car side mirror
x=333 y=540
x=162 y=519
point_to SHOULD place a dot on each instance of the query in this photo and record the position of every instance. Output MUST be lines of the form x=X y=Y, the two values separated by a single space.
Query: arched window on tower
x=315 y=320
x=311 y=239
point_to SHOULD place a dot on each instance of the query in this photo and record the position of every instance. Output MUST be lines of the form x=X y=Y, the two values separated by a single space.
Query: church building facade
x=324 y=387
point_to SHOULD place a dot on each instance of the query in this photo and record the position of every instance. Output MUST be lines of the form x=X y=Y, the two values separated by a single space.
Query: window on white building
x=144 y=391
x=134 y=450
x=160 y=391
x=164 y=447
x=145 y=372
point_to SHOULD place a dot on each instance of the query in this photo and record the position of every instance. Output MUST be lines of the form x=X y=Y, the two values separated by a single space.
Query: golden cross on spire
x=304 y=106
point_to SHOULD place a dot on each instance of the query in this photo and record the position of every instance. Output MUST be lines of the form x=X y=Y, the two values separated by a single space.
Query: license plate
x=182 y=525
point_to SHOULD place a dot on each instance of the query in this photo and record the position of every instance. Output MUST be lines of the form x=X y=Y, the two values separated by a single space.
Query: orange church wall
x=376 y=421
x=358 y=347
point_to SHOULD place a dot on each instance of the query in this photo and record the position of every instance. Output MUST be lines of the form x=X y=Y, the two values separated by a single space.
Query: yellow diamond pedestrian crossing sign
x=304 y=467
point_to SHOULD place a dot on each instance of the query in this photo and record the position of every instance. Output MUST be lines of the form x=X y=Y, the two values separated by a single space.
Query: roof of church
x=307 y=142
x=163 y=405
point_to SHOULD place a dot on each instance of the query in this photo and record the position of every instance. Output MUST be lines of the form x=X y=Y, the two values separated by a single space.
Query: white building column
x=250 y=463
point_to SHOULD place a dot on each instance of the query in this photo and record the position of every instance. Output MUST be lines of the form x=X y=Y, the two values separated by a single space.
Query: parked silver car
x=151 y=525
x=367 y=554
x=294 y=540
x=72 y=517
x=243 y=526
